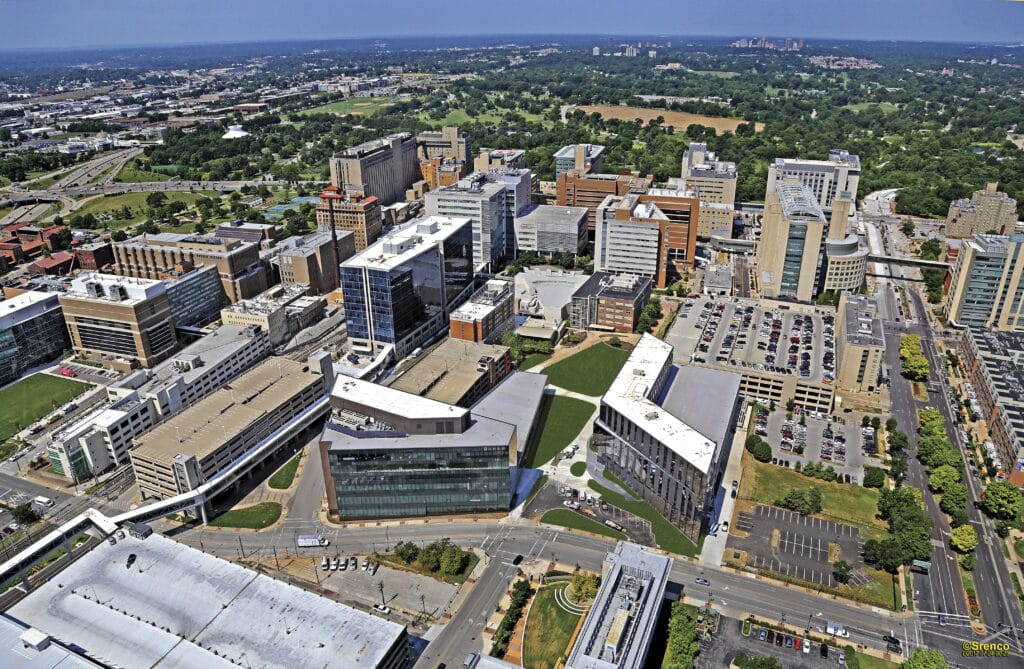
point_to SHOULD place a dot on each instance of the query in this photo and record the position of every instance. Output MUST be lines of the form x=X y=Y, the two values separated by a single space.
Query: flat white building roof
x=387 y=399
x=109 y=288
x=407 y=242
x=26 y=306
x=630 y=395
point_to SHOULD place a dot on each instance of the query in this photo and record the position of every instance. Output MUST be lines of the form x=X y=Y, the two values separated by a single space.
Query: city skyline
x=125 y=23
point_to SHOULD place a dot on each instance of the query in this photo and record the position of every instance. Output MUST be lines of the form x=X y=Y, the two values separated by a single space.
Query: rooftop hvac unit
x=94 y=288
x=118 y=292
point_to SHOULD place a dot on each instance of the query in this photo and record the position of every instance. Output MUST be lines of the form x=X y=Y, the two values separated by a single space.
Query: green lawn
x=590 y=372
x=666 y=535
x=136 y=202
x=132 y=175
x=283 y=477
x=887 y=107
x=848 y=504
x=717 y=73
x=871 y=662
x=533 y=360
x=254 y=517
x=1018 y=546
x=561 y=419
x=578 y=468
x=576 y=521
x=548 y=630
x=363 y=106
x=32 y=398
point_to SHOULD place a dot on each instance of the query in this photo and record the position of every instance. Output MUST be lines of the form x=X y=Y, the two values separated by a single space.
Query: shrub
x=874 y=477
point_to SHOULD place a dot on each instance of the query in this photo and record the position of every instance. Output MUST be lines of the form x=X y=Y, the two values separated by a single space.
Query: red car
x=67 y=371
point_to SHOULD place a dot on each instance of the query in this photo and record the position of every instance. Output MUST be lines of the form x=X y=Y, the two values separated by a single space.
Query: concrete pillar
x=202 y=512
x=67 y=546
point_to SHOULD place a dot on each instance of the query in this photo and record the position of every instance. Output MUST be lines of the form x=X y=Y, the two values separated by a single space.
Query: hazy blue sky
x=33 y=23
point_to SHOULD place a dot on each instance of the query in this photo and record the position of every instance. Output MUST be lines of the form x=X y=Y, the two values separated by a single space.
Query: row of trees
x=521 y=592
x=913 y=362
x=682 y=637
x=650 y=316
x=934 y=279
x=440 y=556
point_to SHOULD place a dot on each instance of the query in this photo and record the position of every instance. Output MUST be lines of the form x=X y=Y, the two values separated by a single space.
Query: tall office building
x=120 y=317
x=579 y=189
x=663 y=439
x=714 y=181
x=383 y=168
x=400 y=291
x=448 y=143
x=310 y=259
x=985 y=287
x=827 y=179
x=155 y=256
x=792 y=256
x=352 y=212
x=582 y=157
x=653 y=234
x=31 y=332
x=491 y=200
x=549 y=229
x=987 y=211
x=861 y=343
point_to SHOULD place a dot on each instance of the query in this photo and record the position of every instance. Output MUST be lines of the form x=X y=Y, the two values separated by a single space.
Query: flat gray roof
x=482 y=431
x=13 y=654
x=515 y=400
x=190 y=604
x=704 y=399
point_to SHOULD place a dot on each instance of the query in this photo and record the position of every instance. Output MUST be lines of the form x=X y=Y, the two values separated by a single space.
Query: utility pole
x=380 y=586
x=278 y=564
x=241 y=548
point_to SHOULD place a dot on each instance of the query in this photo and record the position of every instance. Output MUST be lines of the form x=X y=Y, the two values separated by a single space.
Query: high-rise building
x=491 y=200
x=32 y=332
x=383 y=168
x=827 y=179
x=352 y=212
x=487 y=315
x=583 y=157
x=448 y=143
x=121 y=317
x=792 y=255
x=663 y=439
x=579 y=189
x=196 y=295
x=610 y=302
x=652 y=234
x=620 y=626
x=155 y=256
x=184 y=452
x=281 y=311
x=549 y=229
x=987 y=211
x=400 y=291
x=499 y=159
x=985 y=287
x=861 y=344
x=714 y=181
x=309 y=259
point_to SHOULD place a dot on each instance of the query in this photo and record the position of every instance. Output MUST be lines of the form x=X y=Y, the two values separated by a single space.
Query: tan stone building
x=383 y=168
x=714 y=181
x=166 y=254
x=987 y=211
x=861 y=344
x=499 y=159
x=120 y=317
x=352 y=211
x=310 y=260
x=985 y=288
x=281 y=311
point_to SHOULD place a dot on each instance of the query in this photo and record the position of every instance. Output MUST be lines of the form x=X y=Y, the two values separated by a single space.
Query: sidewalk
x=714 y=546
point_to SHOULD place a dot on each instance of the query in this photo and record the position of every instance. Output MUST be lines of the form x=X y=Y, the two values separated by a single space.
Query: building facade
x=985 y=287
x=32 y=332
x=827 y=179
x=196 y=296
x=483 y=201
x=382 y=168
x=610 y=302
x=993 y=362
x=576 y=188
x=714 y=182
x=499 y=159
x=988 y=211
x=350 y=212
x=448 y=143
x=550 y=229
x=400 y=291
x=281 y=311
x=120 y=317
x=861 y=344
x=309 y=260
x=487 y=315
x=583 y=157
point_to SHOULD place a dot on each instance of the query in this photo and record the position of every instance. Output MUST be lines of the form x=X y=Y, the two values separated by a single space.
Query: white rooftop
x=176 y=605
x=26 y=306
x=107 y=287
x=630 y=395
x=387 y=399
x=405 y=243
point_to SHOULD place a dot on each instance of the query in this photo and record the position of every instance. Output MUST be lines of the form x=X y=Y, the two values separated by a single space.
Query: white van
x=43 y=501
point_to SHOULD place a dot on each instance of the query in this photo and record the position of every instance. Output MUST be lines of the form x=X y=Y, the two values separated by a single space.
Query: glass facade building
x=32 y=332
x=400 y=482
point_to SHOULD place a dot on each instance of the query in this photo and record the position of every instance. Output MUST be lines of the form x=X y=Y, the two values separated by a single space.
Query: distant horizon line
x=301 y=40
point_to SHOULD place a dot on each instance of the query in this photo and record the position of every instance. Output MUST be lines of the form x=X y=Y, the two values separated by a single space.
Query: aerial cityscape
x=555 y=349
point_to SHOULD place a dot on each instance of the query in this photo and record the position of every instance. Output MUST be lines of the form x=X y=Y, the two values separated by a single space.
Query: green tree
x=964 y=538
x=407 y=551
x=907 y=227
x=1002 y=500
x=682 y=636
x=24 y=514
x=583 y=586
x=841 y=570
x=759 y=448
x=954 y=498
x=924 y=658
x=942 y=477
x=874 y=477
x=118 y=235
x=156 y=199
x=452 y=560
x=891 y=425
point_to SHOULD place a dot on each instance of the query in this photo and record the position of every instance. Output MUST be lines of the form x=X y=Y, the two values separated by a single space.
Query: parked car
x=702 y=581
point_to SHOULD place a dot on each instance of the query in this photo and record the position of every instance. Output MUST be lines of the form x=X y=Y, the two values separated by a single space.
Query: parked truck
x=311 y=541
x=836 y=629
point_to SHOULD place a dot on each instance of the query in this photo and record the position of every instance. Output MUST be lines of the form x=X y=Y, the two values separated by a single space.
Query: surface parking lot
x=838 y=441
x=745 y=334
x=797 y=546
x=723 y=647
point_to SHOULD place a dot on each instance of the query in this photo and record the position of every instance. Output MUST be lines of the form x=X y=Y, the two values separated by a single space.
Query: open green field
x=548 y=630
x=254 y=517
x=134 y=176
x=533 y=360
x=717 y=73
x=283 y=477
x=666 y=535
x=561 y=419
x=871 y=662
x=362 y=106
x=589 y=372
x=764 y=483
x=568 y=518
x=887 y=107
x=32 y=398
x=109 y=204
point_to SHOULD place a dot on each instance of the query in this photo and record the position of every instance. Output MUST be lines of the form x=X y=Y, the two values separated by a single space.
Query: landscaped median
x=282 y=479
x=666 y=535
x=254 y=517
x=578 y=521
x=550 y=624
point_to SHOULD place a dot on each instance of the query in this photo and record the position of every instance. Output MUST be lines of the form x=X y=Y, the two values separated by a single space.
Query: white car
x=382 y=609
x=334 y=564
x=324 y=564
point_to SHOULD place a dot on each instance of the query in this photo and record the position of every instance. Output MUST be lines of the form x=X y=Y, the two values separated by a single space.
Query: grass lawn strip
x=32 y=398
x=254 y=517
x=561 y=420
x=395 y=562
x=549 y=628
x=589 y=372
x=666 y=535
x=283 y=477
x=533 y=360
x=577 y=521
